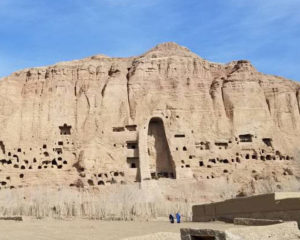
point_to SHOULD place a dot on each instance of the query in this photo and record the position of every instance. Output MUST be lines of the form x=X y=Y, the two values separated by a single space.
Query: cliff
x=165 y=114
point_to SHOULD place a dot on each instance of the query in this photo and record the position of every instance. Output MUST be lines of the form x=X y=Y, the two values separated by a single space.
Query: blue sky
x=43 y=32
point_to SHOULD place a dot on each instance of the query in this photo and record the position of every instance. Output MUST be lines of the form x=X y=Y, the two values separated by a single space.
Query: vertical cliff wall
x=90 y=122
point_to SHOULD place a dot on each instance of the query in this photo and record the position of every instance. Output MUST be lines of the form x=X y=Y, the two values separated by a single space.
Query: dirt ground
x=78 y=229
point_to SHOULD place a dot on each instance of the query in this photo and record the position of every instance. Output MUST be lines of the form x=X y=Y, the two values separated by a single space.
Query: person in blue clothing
x=178 y=217
x=171 y=218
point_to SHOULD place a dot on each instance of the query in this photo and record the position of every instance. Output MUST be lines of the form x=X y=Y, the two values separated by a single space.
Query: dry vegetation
x=129 y=202
x=67 y=203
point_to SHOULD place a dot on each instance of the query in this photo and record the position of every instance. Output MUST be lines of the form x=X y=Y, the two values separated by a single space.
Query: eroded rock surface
x=166 y=113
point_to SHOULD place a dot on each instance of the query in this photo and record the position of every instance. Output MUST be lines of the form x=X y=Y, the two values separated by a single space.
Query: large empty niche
x=160 y=160
x=65 y=129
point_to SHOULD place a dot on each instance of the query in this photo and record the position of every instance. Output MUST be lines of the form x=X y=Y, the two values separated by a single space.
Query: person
x=178 y=217
x=171 y=218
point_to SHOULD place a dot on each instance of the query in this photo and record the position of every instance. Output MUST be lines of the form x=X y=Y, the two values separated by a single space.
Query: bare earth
x=92 y=229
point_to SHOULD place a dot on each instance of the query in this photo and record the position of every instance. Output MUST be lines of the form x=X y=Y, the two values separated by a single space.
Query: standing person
x=178 y=217
x=171 y=218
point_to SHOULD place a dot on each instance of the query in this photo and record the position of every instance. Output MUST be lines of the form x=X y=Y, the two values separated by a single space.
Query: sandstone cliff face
x=166 y=113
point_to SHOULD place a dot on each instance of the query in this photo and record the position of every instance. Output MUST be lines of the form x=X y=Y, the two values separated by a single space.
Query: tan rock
x=166 y=113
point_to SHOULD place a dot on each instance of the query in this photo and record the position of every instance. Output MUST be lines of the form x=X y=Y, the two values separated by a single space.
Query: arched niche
x=160 y=160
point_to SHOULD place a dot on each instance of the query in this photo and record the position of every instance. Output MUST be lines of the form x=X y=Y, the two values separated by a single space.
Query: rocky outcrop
x=87 y=121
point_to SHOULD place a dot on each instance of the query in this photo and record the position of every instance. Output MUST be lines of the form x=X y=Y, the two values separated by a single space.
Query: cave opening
x=245 y=137
x=65 y=129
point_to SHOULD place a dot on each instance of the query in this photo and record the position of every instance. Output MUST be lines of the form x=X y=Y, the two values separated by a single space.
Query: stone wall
x=281 y=205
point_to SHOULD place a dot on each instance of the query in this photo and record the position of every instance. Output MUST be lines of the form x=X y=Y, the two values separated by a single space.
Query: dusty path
x=89 y=229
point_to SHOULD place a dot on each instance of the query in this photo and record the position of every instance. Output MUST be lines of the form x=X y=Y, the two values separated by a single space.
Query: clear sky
x=43 y=32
